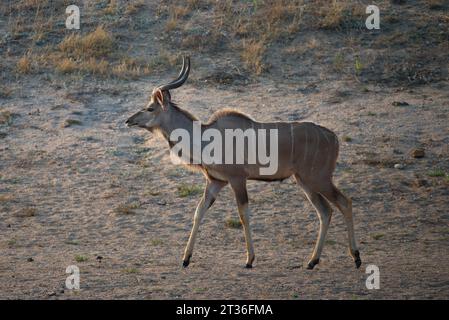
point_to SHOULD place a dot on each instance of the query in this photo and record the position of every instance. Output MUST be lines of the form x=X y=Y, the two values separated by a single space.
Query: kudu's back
x=302 y=148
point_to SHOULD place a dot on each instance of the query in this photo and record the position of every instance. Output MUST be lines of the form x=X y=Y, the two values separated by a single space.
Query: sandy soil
x=96 y=194
x=61 y=188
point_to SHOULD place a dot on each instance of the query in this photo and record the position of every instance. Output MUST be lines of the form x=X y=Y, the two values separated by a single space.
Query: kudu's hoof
x=186 y=262
x=312 y=264
x=248 y=266
x=357 y=260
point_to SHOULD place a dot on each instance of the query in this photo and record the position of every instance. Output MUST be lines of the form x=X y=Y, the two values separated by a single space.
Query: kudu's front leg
x=241 y=195
x=210 y=193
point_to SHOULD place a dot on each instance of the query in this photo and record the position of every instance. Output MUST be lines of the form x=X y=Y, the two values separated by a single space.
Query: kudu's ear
x=159 y=97
x=162 y=98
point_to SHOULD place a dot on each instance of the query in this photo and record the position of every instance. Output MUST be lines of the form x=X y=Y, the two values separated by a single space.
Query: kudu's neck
x=176 y=118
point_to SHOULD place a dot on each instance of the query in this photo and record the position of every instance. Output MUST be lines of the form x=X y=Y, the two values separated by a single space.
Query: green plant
x=156 y=242
x=80 y=258
x=338 y=61
x=185 y=190
x=131 y=270
x=358 y=65
x=378 y=236
x=436 y=173
x=233 y=223
x=72 y=242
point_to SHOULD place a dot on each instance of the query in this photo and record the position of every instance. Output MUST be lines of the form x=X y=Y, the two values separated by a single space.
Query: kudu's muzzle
x=131 y=120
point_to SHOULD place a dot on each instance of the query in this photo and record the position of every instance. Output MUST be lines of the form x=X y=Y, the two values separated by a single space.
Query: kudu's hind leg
x=241 y=195
x=344 y=204
x=324 y=212
x=210 y=193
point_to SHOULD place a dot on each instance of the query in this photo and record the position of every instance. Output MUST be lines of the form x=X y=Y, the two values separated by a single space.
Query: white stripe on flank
x=316 y=149
x=327 y=147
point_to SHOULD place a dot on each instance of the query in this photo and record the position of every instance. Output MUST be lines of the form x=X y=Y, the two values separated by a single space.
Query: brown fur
x=227 y=112
x=305 y=150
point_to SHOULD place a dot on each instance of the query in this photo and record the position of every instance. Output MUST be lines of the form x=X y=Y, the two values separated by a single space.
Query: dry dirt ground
x=77 y=187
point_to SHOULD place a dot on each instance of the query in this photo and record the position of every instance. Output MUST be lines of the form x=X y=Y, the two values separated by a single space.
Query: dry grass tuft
x=96 y=67
x=71 y=122
x=6 y=117
x=172 y=23
x=134 y=6
x=180 y=11
x=252 y=55
x=196 y=4
x=340 y=14
x=333 y=15
x=176 y=13
x=96 y=44
x=303 y=48
x=26 y=5
x=130 y=68
x=127 y=208
x=5 y=92
x=163 y=60
x=24 y=64
x=112 y=8
x=66 y=65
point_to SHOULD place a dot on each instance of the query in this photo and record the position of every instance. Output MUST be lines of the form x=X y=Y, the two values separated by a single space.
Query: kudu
x=305 y=150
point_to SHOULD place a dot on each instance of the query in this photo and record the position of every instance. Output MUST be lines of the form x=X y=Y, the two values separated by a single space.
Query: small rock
x=418 y=153
x=51 y=294
x=292 y=267
x=30 y=259
x=400 y=103
x=420 y=183
x=399 y=166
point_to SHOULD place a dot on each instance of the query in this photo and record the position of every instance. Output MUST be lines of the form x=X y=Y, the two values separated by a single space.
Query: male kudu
x=306 y=151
